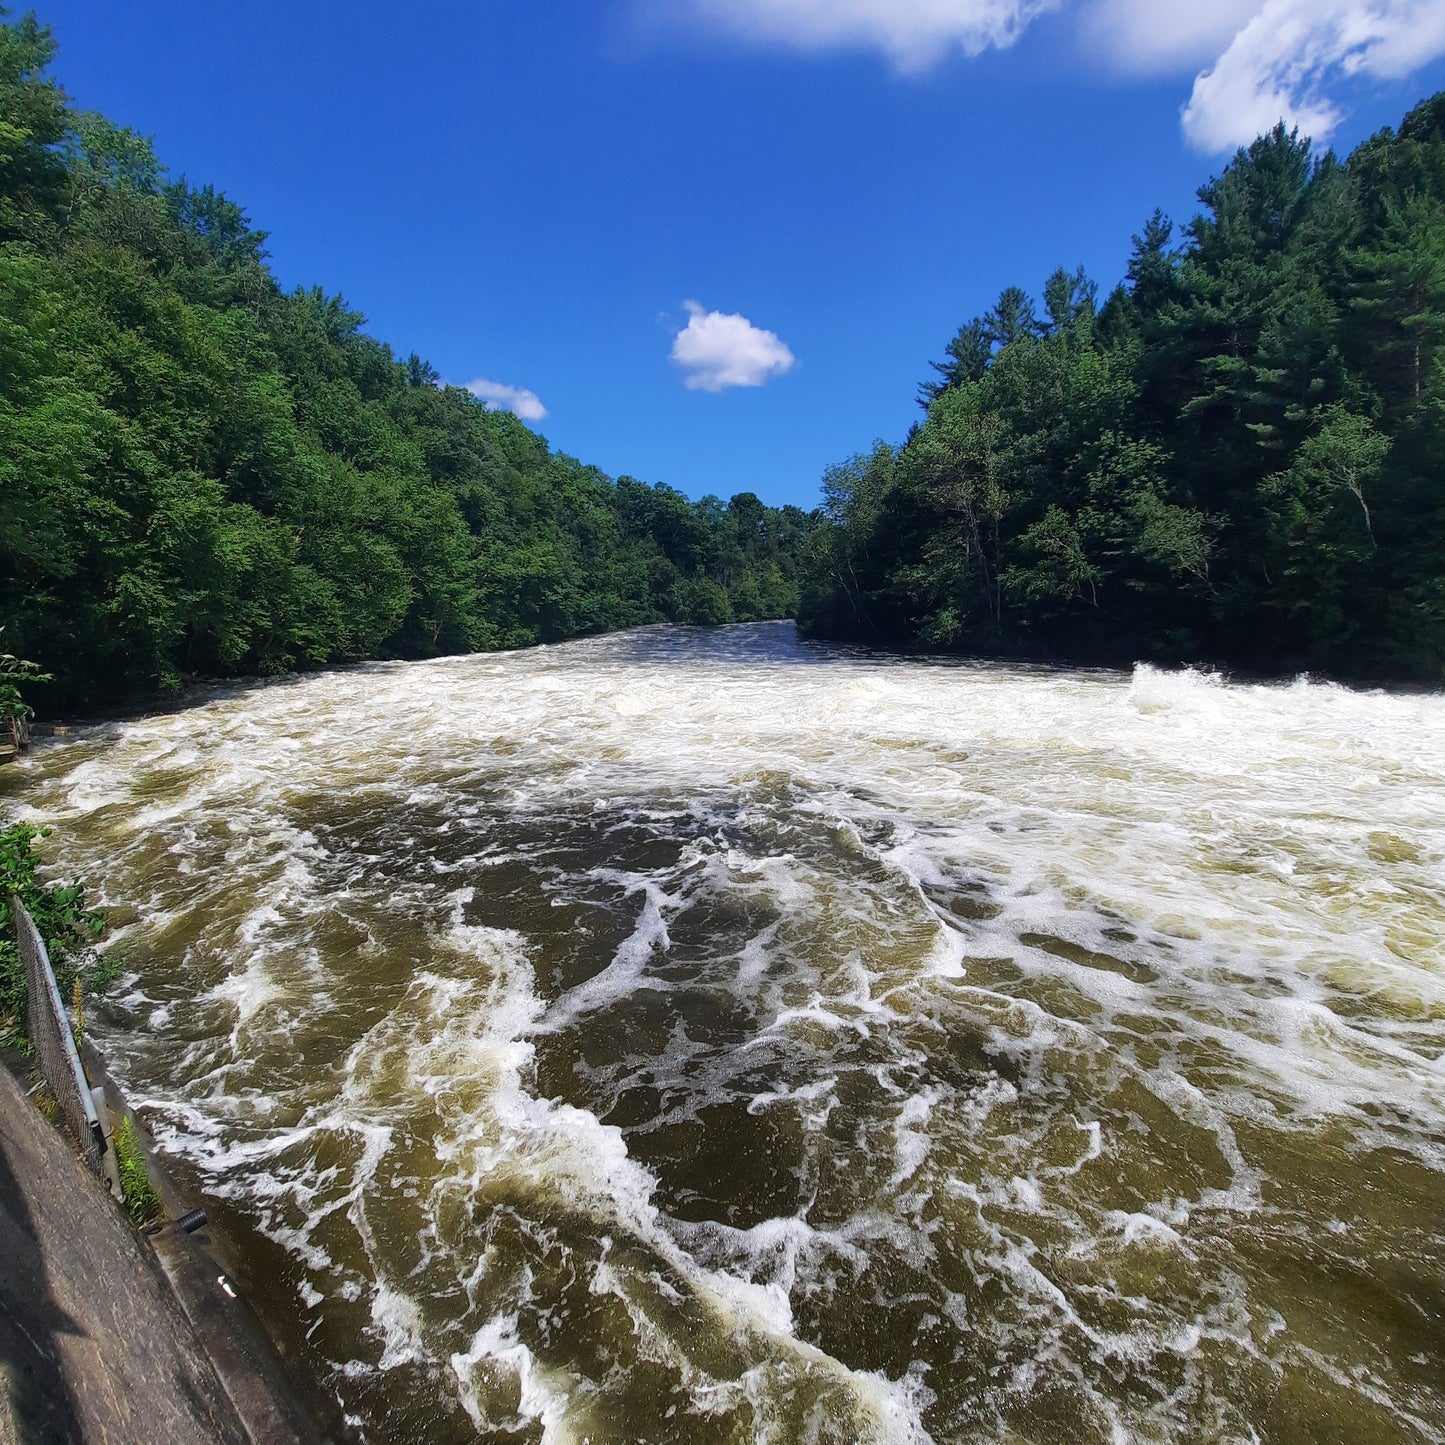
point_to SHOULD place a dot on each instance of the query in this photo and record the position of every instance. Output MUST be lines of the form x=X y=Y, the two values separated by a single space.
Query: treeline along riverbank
x=1236 y=457
x=203 y=474
x=1233 y=458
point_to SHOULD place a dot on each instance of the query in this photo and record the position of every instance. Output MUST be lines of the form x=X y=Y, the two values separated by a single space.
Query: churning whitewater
x=712 y=1037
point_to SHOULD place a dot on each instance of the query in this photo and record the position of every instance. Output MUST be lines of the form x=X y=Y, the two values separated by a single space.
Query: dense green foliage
x=1236 y=458
x=14 y=709
x=66 y=924
x=203 y=475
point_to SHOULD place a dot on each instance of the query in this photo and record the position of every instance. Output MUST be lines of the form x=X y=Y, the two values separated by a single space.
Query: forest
x=1230 y=458
x=1233 y=458
x=205 y=475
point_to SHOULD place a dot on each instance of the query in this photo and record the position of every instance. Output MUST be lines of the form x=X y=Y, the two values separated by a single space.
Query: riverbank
x=275 y=1402
x=108 y=1336
x=93 y=1344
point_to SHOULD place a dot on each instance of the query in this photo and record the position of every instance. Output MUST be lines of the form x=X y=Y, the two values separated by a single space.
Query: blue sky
x=814 y=193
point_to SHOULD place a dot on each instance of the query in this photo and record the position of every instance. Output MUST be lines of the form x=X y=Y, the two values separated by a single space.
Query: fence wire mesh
x=54 y=1044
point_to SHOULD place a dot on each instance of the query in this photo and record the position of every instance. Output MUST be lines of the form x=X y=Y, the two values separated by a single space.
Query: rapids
x=711 y=1037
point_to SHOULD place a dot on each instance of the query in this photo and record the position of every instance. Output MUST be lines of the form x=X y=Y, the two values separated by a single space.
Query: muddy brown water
x=711 y=1037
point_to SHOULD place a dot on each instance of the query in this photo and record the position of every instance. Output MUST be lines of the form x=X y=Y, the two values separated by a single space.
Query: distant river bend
x=709 y=1037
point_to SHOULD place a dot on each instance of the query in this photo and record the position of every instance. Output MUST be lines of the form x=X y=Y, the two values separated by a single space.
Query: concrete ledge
x=250 y=1371
x=93 y=1344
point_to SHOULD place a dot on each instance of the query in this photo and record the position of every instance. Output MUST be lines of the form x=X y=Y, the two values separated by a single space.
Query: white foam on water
x=1007 y=937
x=911 y=1138
x=543 y=1395
x=398 y=1320
x=627 y=971
x=570 y=1153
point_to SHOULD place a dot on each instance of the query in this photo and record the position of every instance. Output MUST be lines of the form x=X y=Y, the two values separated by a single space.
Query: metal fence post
x=53 y=1042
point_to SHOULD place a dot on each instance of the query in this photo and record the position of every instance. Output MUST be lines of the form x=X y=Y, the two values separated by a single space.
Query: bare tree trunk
x=1359 y=491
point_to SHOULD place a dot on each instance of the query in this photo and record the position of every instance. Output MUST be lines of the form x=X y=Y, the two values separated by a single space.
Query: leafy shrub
x=60 y=913
x=142 y=1202
x=13 y=671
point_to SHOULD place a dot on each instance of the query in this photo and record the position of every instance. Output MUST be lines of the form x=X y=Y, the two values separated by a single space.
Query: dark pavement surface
x=93 y=1344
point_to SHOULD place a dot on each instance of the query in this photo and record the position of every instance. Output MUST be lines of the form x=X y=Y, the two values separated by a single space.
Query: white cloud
x=1256 y=61
x=718 y=351
x=516 y=399
x=913 y=34
x=1147 y=37
x=1290 y=58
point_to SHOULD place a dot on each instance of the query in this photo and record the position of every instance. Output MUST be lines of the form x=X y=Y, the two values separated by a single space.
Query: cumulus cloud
x=1145 y=37
x=1288 y=61
x=913 y=34
x=717 y=351
x=1255 y=61
x=516 y=399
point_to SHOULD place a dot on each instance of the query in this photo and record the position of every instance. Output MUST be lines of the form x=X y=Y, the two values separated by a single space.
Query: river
x=714 y=1037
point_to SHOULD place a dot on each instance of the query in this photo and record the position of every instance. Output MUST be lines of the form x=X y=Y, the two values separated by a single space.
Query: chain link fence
x=54 y=1044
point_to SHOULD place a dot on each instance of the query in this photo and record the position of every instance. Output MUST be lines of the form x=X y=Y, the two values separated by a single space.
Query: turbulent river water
x=710 y=1037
